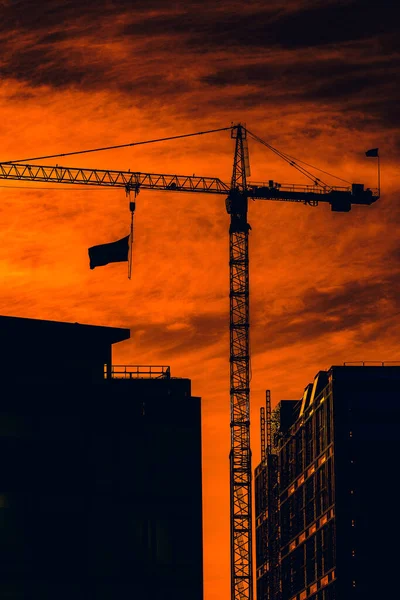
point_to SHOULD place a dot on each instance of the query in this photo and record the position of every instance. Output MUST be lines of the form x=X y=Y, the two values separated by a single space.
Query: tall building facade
x=337 y=454
x=100 y=477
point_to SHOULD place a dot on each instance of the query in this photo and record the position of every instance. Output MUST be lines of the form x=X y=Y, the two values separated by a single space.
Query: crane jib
x=340 y=199
x=129 y=180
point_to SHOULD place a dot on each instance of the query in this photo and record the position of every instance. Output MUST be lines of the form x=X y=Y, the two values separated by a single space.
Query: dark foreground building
x=329 y=487
x=100 y=470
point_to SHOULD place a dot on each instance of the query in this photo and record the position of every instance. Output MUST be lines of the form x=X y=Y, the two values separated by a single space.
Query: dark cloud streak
x=270 y=49
x=199 y=332
x=320 y=313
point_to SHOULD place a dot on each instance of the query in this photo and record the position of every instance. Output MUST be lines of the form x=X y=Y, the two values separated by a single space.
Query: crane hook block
x=132 y=206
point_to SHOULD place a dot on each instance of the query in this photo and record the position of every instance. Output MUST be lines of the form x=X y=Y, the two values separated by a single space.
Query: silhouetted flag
x=372 y=152
x=109 y=253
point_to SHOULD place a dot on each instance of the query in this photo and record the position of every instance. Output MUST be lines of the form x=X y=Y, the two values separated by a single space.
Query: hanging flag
x=109 y=253
x=372 y=152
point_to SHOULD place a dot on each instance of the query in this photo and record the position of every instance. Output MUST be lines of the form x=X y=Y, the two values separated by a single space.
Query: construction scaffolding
x=267 y=512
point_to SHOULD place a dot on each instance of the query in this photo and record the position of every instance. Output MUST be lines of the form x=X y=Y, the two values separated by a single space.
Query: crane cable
x=310 y=176
x=291 y=159
x=321 y=170
x=173 y=137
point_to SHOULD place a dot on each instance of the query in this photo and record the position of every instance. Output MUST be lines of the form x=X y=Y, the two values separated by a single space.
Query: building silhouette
x=327 y=526
x=100 y=476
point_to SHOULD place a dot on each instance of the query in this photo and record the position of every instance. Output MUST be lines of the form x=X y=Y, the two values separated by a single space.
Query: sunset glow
x=316 y=79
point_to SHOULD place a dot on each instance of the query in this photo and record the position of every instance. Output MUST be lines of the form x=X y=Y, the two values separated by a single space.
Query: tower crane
x=237 y=194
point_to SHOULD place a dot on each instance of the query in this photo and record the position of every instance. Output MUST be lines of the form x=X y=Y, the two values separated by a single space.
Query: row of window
x=326 y=593
x=309 y=561
x=308 y=502
x=307 y=443
x=269 y=586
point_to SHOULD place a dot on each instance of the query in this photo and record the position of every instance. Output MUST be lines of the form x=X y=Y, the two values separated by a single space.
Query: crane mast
x=240 y=453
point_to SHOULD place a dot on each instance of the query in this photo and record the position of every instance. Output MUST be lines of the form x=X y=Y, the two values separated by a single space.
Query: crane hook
x=132 y=205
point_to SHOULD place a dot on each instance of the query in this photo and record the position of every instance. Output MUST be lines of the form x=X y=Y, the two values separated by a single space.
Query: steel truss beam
x=125 y=179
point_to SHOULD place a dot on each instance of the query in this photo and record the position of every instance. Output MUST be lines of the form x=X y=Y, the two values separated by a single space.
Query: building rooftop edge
x=23 y=325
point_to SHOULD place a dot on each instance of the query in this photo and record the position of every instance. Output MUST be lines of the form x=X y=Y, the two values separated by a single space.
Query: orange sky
x=314 y=78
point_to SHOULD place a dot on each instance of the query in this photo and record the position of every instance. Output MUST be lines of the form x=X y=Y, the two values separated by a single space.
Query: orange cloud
x=324 y=286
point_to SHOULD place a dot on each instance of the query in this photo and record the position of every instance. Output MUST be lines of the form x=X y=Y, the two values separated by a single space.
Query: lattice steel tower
x=240 y=453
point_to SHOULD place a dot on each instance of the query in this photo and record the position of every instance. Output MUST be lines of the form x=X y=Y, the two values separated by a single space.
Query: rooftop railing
x=139 y=372
x=372 y=363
